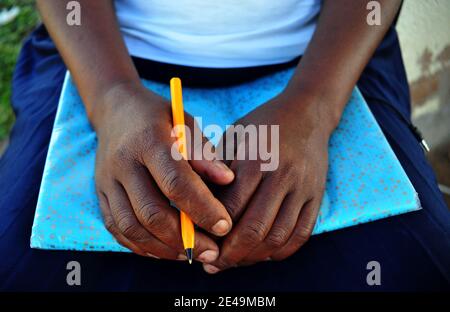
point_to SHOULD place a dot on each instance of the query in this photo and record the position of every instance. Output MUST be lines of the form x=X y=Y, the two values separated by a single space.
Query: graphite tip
x=189 y=254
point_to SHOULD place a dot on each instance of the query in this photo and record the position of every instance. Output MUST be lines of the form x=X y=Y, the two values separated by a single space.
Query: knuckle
x=286 y=172
x=121 y=155
x=298 y=173
x=254 y=232
x=152 y=215
x=174 y=185
x=277 y=237
x=321 y=187
x=232 y=202
x=127 y=227
x=301 y=236
x=146 y=141
x=110 y=225
x=234 y=199
x=149 y=135
x=102 y=178
x=204 y=221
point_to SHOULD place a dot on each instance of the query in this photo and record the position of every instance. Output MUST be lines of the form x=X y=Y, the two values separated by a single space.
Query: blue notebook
x=365 y=180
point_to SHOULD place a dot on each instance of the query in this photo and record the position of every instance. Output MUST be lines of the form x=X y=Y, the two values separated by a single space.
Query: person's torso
x=226 y=33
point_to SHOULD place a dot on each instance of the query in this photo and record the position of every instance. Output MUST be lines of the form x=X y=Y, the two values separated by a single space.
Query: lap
x=412 y=249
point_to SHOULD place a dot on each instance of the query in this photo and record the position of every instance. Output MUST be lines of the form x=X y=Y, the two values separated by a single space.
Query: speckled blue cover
x=365 y=180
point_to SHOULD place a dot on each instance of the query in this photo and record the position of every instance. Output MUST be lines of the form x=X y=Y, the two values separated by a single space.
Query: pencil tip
x=189 y=254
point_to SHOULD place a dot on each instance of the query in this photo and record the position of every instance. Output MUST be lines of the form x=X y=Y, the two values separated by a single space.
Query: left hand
x=275 y=211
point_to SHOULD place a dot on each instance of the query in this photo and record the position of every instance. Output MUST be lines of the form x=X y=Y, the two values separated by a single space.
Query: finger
x=303 y=229
x=129 y=226
x=281 y=230
x=202 y=156
x=153 y=211
x=214 y=171
x=227 y=147
x=206 y=250
x=205 y=162
x=184 y=187
x=253 y=227
x=152 y=208
x=112 y=228
x=237 y=195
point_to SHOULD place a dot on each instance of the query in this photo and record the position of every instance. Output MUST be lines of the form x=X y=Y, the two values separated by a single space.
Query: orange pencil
x=187 y=227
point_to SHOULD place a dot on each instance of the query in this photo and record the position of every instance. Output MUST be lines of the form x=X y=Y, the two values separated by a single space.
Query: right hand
x=136 y=177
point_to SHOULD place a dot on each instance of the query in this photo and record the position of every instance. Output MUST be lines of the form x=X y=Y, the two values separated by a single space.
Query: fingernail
x=152 y=256
x=182 y=257
x=221 y=227
x=225 y=169
x=210 y=269
x=208 y=256
x=222 y=166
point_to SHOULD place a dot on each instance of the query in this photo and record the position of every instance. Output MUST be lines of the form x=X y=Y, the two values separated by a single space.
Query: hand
x=275 y=211
x=136 y=177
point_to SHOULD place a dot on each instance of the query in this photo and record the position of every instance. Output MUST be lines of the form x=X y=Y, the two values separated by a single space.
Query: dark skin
x=135 y=173
x=273 y=212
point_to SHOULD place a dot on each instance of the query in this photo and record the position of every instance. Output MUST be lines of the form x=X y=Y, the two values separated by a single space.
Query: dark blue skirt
x=413 y=249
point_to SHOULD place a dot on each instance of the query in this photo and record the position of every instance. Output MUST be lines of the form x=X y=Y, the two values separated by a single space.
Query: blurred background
x=424 y=30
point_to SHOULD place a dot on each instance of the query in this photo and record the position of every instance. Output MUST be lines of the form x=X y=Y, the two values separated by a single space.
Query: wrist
x=110 y=100
x=323 y=113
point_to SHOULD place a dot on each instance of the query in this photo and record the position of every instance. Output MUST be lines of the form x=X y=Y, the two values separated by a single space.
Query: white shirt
x=221 y=34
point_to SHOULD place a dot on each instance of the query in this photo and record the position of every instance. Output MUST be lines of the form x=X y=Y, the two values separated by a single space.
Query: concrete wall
x=424 y=31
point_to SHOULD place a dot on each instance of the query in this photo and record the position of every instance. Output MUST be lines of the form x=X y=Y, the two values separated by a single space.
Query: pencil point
x=189 y=254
